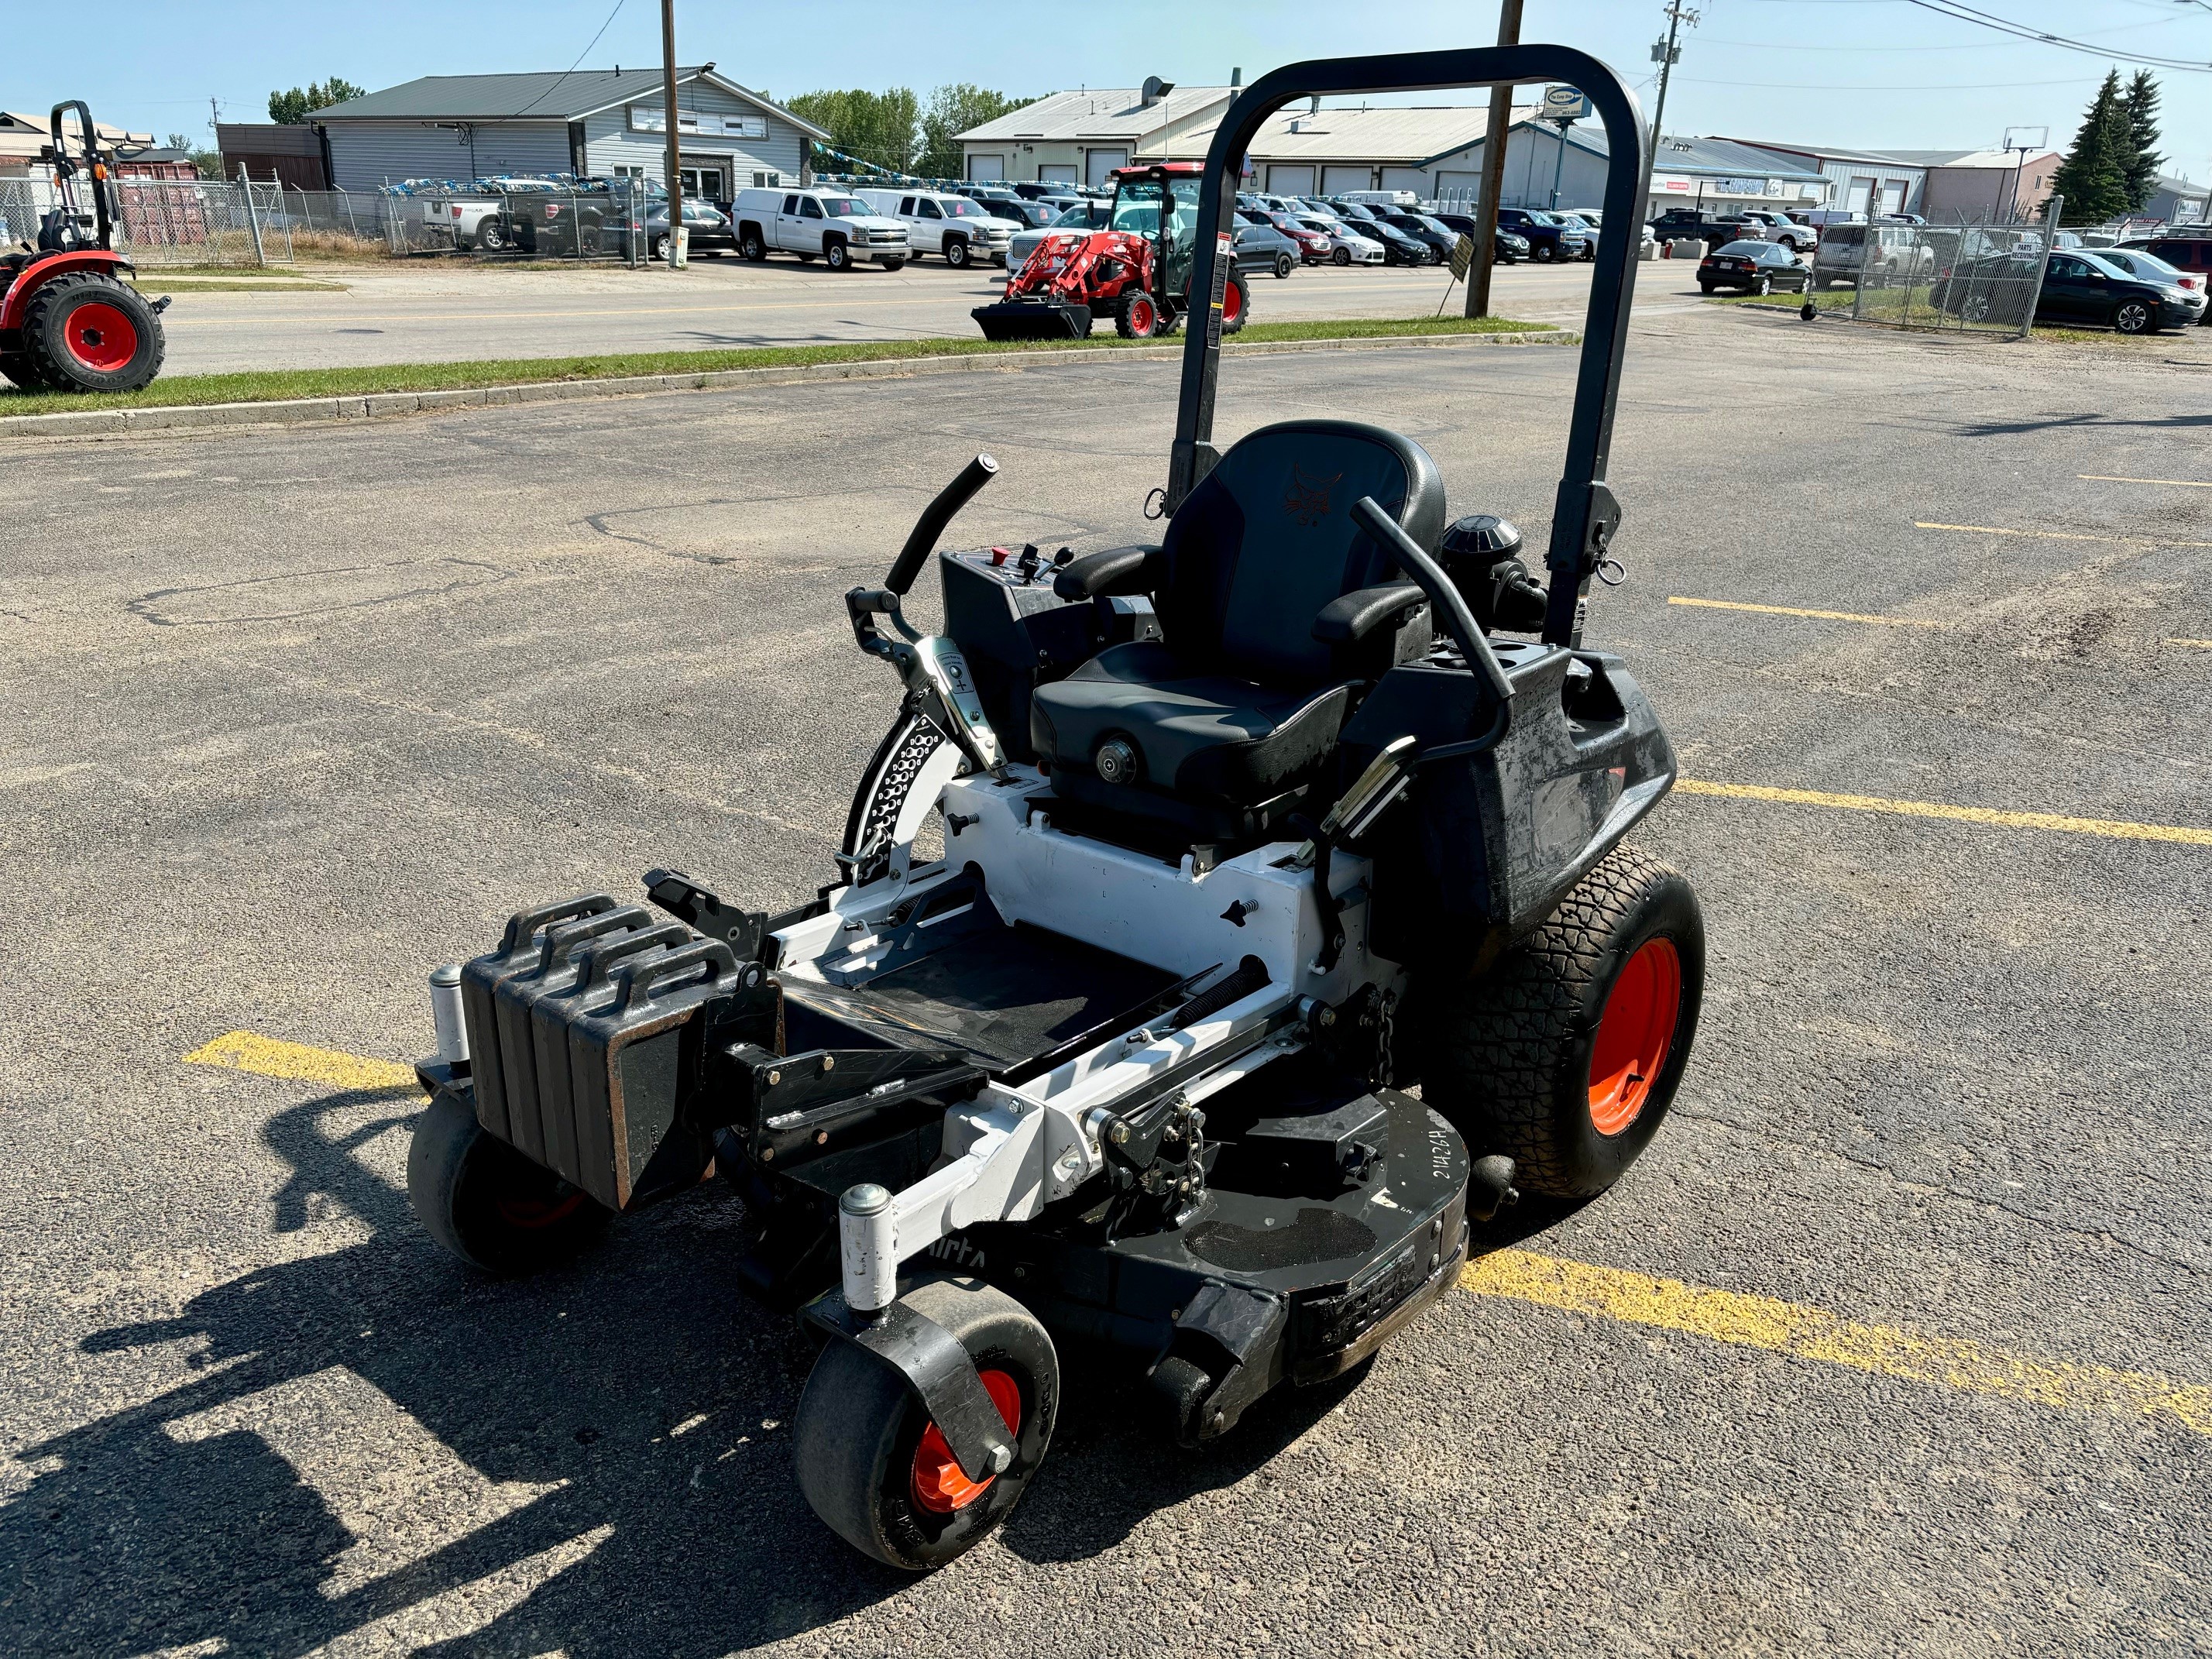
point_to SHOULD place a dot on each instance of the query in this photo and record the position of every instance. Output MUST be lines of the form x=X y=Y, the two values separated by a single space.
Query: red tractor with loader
x=1136 y=271
x=67 y=320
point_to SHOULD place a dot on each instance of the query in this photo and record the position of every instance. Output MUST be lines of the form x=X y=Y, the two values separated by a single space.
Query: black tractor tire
x=1566 y=1053
x=487 y=1203
x=859 y=1439
x=751 y=247
x=837 y=255
x=956 y=253
x=1341 y=257
x=491 y=235
x=1283 y=264
x=85 y=331
x=1236 y=304
x=1138 y=317
x=2135 y=317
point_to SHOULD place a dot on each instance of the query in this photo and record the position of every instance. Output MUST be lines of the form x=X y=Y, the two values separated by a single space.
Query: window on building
x=629 y=172
x=767 y=180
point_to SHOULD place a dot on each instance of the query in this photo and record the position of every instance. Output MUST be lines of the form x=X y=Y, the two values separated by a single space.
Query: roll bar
x=1584 y=515
x=64 y=168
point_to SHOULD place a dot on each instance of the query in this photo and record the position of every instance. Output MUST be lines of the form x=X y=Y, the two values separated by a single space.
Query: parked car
x=1313 y=248
x=1084 y=216
x=1509 y=249
x=2078 y=287
x=2192 y=254
x=1575 y=219
x=710 y=232
x=2139 y=262
x=1548 y=238
x=1000 y=202
x=1691 y=224
x=1430 y=233
x=819 y=221
x=1349 y=246
x=1781 y=227
x=1756 y=267
x=1873 y=255
x=1398 y=248
x=955 y=228
x=1262 y=248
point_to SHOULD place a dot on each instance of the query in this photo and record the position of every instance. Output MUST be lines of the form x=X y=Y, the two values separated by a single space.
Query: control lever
x=1369 y=797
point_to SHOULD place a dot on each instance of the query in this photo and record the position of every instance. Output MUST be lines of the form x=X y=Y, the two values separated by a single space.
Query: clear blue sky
x=1876 y=72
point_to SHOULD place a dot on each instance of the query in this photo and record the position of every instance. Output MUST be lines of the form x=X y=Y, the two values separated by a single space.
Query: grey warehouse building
x=597 y=122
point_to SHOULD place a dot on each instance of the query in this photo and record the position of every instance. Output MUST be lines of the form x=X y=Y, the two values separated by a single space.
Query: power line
x=1963 y=13
x=571 y=70
x=1854 y=86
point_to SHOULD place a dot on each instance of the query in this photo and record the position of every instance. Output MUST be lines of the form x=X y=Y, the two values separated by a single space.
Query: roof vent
x=1155 y=89
x=1236 y=77
x=1314 y=108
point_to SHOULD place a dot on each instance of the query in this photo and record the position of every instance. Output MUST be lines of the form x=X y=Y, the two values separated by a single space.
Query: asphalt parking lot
x=447 y=310
x=1897 y=1341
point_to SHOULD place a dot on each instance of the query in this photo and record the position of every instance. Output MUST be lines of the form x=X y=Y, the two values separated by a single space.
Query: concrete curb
x=293 y=411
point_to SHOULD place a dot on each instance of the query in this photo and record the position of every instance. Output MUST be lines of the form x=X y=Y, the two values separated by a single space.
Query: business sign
x=1564 y=104
x=653 y=118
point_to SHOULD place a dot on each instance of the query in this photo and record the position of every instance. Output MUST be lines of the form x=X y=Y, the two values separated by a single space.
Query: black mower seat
x=1221 y=724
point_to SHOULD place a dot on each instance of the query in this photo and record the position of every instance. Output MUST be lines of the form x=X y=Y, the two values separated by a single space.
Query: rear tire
x=859 y=1437
x=487 y=1203
x=491 y=235
x=1762 y=287
x=1566 y=1054
x=1282 y=266
x=89 y=332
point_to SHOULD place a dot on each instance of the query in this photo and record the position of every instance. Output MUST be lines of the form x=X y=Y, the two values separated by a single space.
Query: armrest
x=1356 y=615
x=1117 y=570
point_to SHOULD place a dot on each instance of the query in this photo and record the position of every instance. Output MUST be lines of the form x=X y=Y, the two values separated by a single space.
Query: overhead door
x=1405 y=178
x=1099 y=165
x=1290 y=181
x=1052 y=174
x=1893 y=195
x=987 y=166
x=1335 y=181
x=1460 y=186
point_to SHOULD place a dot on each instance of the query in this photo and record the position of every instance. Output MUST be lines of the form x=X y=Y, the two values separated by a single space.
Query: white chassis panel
x=1011 y=1151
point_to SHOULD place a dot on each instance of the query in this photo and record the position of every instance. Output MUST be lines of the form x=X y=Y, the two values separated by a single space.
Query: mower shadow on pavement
x=641 y=1392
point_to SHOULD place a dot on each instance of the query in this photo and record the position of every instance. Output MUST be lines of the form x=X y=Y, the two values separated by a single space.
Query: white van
x=960 y=229
x=835 y=225
x=1403 y=199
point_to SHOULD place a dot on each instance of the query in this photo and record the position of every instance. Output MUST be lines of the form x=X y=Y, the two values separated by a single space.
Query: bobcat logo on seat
x=1307 y=499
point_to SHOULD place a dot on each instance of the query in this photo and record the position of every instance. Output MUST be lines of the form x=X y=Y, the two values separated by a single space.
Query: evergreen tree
x=2139 y=174
x=2094 y=176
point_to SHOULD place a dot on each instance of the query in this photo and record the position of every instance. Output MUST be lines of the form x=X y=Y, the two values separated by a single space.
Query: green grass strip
x=271 y=385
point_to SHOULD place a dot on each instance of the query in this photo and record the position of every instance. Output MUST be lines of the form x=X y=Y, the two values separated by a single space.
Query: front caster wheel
x=488 y=1203
x=874 y=1467
x=1565 y=1055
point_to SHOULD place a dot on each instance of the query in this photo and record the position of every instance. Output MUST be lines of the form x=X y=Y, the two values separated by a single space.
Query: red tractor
x=1137 y=270
x=67 y=320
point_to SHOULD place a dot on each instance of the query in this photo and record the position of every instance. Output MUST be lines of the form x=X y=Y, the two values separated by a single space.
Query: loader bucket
x=1033 y=319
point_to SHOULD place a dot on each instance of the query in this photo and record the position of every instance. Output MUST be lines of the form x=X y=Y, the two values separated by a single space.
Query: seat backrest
x=1266 y=539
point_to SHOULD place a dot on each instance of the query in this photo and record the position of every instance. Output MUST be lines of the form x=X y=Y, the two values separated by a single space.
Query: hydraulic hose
x=934 y=517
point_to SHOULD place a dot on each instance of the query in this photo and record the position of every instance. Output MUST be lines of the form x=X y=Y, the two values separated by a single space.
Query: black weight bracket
x=787 y=1108
x=743 y=931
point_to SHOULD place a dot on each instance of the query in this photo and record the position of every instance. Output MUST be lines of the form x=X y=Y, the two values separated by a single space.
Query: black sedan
x=1262 y=248
x=1508 y=249
x=1424 y=229
x=2077 y=289
x=1398 y=248
x=1754 y=267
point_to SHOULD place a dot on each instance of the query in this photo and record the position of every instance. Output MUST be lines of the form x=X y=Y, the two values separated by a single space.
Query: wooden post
x=1493 y=169
x=675 y=141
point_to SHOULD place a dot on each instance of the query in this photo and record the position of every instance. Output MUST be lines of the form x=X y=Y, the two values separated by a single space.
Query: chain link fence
x=169 y=223
x=1980 y=276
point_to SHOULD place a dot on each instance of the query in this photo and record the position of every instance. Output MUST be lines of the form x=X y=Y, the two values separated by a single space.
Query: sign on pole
x=1564 y=104
x=1462 y=256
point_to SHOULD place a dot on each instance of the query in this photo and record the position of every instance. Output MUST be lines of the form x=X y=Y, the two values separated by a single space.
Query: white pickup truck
x=953 y=226
x=833 y=225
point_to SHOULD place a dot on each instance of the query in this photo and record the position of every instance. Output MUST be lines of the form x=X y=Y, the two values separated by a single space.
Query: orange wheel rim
x=101 y=336
x=1232 y=303
x=938 y=1484
x=1633 y=1035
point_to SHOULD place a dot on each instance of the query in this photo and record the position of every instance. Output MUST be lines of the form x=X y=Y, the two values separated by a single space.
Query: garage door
x=1099 y=165
x=1405 y=178
x=1291 y=181
x=987 y=166
x=1056 y=174
x=1335 y=181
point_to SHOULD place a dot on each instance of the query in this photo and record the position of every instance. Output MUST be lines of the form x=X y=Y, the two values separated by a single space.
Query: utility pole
x=1493 y=169
x=1665 y=53
x=675 y=142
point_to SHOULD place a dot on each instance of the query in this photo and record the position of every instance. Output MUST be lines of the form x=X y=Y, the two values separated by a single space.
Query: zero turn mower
x=1137 y=270
x=1245 y=833
x=68 y=321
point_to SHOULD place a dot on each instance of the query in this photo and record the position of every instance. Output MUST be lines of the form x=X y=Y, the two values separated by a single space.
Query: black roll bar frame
x=1585 y=516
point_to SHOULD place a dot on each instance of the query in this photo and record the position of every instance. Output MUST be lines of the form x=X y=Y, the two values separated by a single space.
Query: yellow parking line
x=2057 y=535
x=1786 y=1327
x=1730 y=1316
x=2202 y=645
x=247 y=1051
x=2179 y=483
x=1793 y=611
x=2117 y=830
